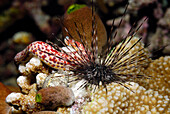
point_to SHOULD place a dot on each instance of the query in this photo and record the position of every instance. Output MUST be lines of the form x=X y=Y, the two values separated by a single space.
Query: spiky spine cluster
x=108 y=66
x=87 y=63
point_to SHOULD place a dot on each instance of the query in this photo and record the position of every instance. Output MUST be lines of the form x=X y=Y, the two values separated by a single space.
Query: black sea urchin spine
x=105 y=67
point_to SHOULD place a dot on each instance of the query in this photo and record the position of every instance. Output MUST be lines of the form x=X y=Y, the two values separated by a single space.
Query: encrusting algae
x=126 y=89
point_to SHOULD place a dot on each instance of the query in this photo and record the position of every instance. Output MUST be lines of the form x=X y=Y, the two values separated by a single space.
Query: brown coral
x=121 y=100
x=165 y=22
x=160 y=71
x=137 y=4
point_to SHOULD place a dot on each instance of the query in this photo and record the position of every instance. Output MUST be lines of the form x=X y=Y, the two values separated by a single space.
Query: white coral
x=24 y=83
x=21 y=68
x=14 y=97
x=33 y=64
x=40 y=78
x=24 y=102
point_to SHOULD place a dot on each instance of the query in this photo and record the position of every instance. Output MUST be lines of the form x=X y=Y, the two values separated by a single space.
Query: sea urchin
x=87 y=63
